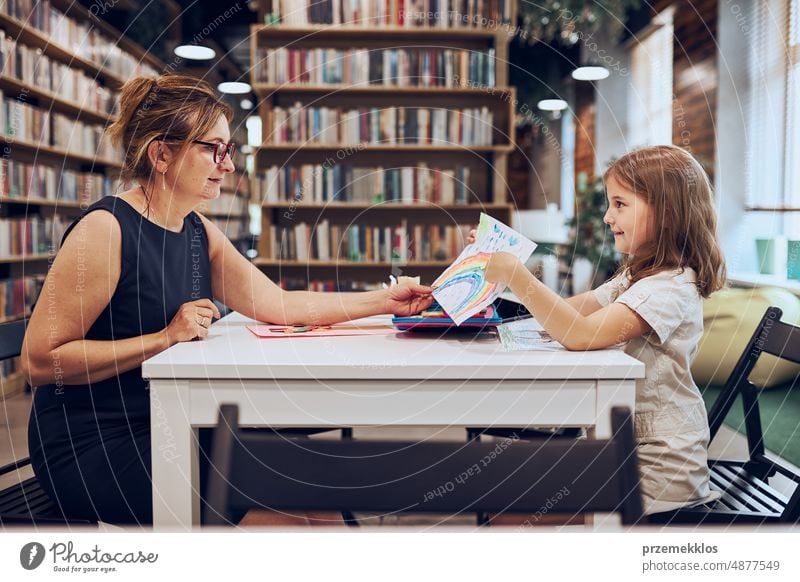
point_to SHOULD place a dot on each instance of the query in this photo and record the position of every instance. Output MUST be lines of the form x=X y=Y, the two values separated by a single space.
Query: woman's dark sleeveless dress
x=90 y=444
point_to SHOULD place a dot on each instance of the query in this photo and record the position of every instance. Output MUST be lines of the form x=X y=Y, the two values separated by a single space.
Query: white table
x=401 y=379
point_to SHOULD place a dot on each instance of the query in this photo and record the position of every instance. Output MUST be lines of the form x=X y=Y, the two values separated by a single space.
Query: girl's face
x=197 y=171
x=630 y=218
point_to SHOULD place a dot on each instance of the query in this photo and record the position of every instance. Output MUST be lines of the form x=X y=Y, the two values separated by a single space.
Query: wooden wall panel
x=695 y=77
x=585 y=115
x=520 y=169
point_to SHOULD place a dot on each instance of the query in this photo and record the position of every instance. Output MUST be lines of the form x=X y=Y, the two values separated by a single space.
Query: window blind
x=650 y=99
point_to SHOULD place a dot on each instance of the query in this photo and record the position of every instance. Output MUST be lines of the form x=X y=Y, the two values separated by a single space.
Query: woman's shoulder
x=98 y=214
x=110 y=203
x=93 y=229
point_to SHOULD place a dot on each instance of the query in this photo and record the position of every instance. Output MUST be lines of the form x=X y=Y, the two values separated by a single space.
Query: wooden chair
x=747 y=496
x=252 y=470
x=24 y=502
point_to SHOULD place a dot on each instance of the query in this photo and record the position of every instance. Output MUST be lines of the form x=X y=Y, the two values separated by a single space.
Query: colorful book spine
x=322 y=183
x=420 y=67
x=382 y=126
x=443 y=14
x=357 y=243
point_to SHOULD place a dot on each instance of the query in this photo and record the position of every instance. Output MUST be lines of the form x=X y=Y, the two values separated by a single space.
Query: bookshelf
x=231 y=211
x=386 y=129
x=60 y=72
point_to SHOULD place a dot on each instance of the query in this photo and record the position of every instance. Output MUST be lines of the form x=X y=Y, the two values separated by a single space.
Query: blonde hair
x=172 y=107
x=675 y=185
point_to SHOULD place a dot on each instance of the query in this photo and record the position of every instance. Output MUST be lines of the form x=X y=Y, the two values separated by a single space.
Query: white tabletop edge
x=233 y=353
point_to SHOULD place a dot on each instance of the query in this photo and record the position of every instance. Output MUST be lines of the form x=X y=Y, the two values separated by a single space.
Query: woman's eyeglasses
x=221 y=150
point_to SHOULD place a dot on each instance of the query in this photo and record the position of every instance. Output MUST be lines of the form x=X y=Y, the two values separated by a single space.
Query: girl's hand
x=502 y=267
x=191 y=321
x=473 y=235
x=408 y=299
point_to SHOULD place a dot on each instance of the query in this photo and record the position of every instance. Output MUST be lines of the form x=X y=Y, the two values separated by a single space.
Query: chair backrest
x=771 y=336
x=778 y=338
x=250 y=469
x=11 y=336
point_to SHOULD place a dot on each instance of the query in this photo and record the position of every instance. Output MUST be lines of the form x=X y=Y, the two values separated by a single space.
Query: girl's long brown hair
x=680 y=194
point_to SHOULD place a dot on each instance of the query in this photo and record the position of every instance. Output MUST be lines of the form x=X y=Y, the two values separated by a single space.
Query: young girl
x=660 y=211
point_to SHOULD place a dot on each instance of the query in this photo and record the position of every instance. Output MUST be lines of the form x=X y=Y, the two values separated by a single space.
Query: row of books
x=326 y=285
x=36 y=181
x=402 y=243
x=319 y=183
x=83 y=138
x=386 y=126
x=420 y=67
x=8 y=368
x=406 y=13
x=234 y=228
x=37 y=126
x=30 y=236
x=226 y=204
x=82 y=39
x=30 y=66
x=18 y=295
x=23 y=121
x=238 y=181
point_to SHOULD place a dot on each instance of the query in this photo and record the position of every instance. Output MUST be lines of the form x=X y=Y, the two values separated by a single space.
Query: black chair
x=24 y=502
x=253 y=470
x=747 y=496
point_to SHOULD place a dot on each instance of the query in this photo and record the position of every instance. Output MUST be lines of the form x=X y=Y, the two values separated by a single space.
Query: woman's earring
x=164 y=181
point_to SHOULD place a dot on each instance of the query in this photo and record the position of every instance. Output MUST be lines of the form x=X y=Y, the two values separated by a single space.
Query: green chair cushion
x=730 y=317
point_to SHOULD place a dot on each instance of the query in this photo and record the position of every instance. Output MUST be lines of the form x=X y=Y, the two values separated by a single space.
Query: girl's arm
x=602 y=328
x=584 y=303
x=244 y=288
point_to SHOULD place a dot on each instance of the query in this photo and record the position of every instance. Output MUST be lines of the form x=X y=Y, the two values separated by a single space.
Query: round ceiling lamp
x=552 y=105
x=234 y=88
x=590 y=73
x=194 y=52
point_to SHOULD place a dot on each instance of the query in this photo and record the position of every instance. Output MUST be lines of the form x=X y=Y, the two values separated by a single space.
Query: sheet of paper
x=462 y=290
x=526 y=335
x=274 y=331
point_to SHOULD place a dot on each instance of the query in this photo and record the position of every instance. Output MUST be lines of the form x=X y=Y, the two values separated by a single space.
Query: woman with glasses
x=136 y=274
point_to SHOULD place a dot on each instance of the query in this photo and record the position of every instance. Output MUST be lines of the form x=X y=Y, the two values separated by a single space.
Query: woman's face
x=196 y=171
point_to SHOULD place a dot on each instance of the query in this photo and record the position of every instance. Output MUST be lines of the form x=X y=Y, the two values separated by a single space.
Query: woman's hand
x=473 y=236
x=408 y=299
x=191 y=321
x=502 y=267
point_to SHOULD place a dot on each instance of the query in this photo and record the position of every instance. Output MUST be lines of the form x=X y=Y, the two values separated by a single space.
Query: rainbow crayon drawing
x=462 y=290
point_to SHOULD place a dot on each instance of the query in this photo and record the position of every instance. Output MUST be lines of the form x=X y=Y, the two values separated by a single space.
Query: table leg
x=176 y=483
x=611 y=393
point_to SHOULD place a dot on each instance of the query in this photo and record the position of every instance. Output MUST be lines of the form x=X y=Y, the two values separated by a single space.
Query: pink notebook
x=278 y=331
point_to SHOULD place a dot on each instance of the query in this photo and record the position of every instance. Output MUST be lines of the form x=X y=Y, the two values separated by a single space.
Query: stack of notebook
x=435 y=318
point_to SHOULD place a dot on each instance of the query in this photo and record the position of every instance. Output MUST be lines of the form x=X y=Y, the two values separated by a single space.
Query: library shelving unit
x=60 y=71
x=386 y=129
x=231 y=211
